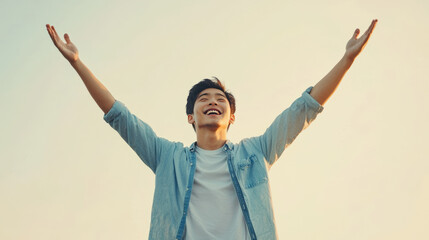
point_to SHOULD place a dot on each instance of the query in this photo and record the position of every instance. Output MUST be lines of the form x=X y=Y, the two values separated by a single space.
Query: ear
x=191 y=119
x=232 y=119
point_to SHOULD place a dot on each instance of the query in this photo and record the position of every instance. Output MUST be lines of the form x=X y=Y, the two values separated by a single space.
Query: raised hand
x=67 y=49
x=355 y=45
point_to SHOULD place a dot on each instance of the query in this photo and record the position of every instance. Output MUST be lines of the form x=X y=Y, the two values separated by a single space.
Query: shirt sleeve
x=139 y=135
x=287 y=126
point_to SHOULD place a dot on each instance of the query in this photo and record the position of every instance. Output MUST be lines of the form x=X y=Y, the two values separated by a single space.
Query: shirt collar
x=228 y=146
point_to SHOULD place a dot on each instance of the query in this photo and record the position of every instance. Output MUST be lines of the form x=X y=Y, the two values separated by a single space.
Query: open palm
x=355 y=45
x=67 y=49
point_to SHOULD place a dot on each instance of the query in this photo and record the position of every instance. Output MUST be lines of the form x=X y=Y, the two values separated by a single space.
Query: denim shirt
x=248 y=163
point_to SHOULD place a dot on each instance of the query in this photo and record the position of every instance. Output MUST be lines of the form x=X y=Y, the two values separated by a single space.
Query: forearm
x=98 y=91
x=323 y=90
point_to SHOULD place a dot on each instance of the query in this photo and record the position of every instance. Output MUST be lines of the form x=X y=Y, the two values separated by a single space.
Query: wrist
x=347 y=60
x=75 y=62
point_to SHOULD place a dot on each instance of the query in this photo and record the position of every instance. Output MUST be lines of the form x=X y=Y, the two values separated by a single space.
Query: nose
x=213 y=102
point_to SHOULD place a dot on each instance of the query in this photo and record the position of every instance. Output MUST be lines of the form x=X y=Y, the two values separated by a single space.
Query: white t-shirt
x=214 y=211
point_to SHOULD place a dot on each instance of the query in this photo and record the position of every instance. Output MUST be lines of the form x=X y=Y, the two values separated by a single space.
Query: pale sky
x=359 y=171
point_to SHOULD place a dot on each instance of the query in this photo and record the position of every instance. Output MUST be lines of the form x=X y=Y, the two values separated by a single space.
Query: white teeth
x=212 y=111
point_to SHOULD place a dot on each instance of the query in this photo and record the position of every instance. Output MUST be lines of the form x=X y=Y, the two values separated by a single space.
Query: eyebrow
x=216 y=94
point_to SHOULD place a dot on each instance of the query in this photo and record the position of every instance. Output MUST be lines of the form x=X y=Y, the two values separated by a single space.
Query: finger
x=356 y=33
x=55 y=32
x=371 y=27
x=369 y=31
x=57 y=37
x=51 y=34
x=67 y=38
x=48 y=28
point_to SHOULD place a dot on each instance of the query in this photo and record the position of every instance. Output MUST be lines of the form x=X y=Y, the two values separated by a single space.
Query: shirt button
x=192 y=164
x=187 y=189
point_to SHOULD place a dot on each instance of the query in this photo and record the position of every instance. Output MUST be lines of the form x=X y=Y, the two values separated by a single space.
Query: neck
x=211 y=140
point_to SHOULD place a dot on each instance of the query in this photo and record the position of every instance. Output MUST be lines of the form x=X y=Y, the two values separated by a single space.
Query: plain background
x=360 y=171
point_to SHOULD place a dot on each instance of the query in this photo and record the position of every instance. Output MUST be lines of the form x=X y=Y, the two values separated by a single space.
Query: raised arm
x=98 y=91
x=327 y=86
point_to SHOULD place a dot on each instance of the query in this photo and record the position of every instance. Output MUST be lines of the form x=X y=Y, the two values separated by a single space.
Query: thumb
x=67 y=38
x=356 y=33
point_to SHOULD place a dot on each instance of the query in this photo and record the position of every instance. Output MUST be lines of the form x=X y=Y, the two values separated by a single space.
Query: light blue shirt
x=248 y=162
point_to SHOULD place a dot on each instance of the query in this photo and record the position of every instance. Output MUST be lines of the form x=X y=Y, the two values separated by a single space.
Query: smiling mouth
x=212 y=112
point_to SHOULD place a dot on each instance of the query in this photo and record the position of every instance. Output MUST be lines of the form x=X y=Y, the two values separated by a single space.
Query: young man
x=213 y=189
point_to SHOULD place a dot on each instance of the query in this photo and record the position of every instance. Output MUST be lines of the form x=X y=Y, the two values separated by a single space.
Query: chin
x=212 y=126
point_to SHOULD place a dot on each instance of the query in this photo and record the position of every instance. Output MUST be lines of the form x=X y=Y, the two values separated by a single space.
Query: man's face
x=211 y=110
